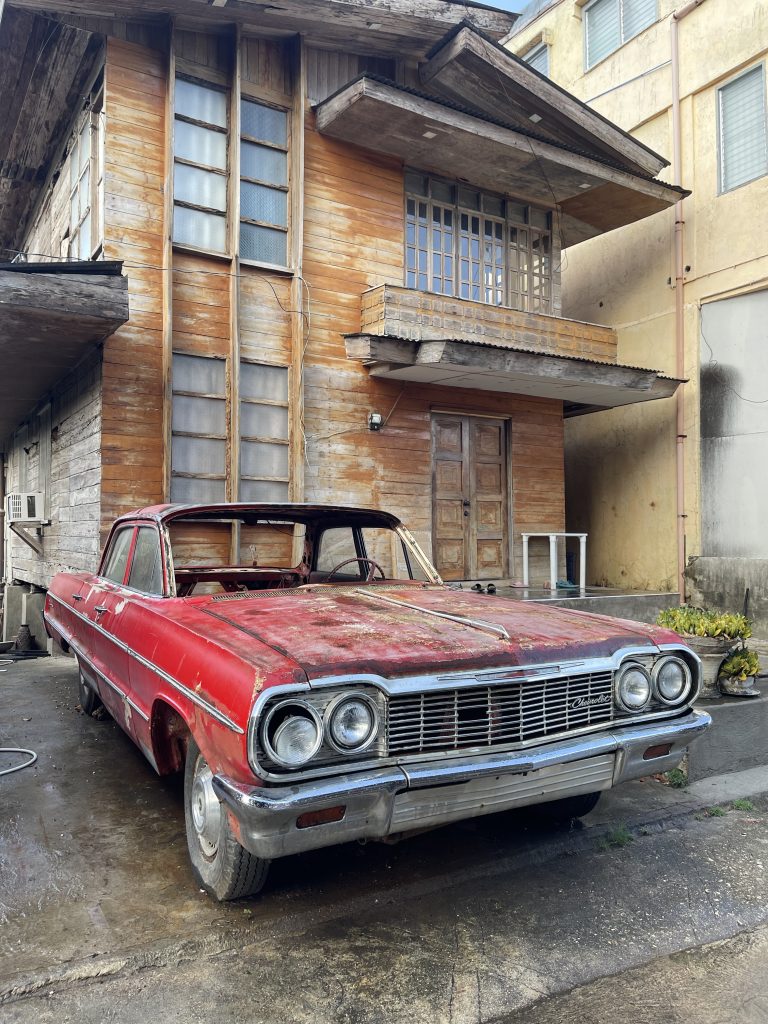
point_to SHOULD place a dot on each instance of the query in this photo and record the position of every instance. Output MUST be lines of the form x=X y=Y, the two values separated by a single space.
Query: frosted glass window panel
x=85 y=186
x=261 y=458
x=199 y=415
x=203 y=188
x=117 y=560
x=263 y=490
x=184 y=489
x=203 y=230
x=603 y=27
x=637 y=15
x=198 y=455
x=263 y=421
x=743 y=130
x=263 y=163
x=200 y=145
x=257 y=202
x=198 y=374
x=146 y=571
x=265 y=245
x=258 y=380
x=264 y=123
x=85 y=145
x=200 y=102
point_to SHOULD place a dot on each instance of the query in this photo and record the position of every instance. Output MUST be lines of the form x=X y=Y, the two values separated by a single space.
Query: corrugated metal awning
x=584 y=385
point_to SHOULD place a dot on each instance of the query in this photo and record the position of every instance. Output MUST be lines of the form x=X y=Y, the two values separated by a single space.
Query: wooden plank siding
x=353 y=235
x=135 y=172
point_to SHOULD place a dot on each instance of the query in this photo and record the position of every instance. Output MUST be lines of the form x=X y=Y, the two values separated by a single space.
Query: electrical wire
x=714 y=363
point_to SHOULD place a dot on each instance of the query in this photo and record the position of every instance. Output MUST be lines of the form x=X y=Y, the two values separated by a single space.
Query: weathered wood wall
x=135 y=173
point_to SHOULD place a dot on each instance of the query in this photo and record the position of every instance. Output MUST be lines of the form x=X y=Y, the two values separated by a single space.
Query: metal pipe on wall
x=679 y=272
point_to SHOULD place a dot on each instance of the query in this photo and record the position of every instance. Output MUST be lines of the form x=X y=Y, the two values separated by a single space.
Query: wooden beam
x=299 y=325
x=167 y=262
x=478 y=73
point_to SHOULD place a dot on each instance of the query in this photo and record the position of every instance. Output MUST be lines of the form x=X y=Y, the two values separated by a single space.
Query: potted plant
x=738 y=673
x=712 y=635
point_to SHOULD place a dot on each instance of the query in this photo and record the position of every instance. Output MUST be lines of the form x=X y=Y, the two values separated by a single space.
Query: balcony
x=400 y=312
x=416 y=336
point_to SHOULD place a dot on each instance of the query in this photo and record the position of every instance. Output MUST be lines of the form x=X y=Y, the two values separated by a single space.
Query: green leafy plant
x=741 y=665
x=715 y=812
x=690 y=621
x=743 y=805
x=676 y=778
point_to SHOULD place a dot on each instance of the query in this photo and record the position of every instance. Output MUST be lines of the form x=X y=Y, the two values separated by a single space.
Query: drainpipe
x=678 y=258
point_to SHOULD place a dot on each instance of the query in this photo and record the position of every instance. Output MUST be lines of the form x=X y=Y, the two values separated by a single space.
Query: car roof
x=292 y=511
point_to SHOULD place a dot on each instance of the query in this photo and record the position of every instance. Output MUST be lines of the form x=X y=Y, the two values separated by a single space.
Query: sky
x=508 y=5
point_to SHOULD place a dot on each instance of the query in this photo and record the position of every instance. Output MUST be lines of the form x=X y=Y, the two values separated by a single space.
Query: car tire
x=220 y=864
x=567 y=809
x=90 y=702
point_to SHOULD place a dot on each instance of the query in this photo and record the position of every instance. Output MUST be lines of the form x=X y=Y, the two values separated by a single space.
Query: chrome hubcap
x=206 y=809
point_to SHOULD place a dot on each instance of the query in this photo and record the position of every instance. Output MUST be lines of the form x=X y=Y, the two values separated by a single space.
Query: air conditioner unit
x=25 y=507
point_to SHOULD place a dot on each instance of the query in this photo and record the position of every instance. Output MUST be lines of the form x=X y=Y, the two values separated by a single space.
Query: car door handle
x=100 y=609
x=77 y=597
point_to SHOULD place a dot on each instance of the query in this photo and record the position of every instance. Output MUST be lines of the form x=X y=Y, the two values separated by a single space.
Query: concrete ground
x=493 y=919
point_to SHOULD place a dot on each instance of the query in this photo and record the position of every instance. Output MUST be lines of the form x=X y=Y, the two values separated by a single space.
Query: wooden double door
x=469 y=497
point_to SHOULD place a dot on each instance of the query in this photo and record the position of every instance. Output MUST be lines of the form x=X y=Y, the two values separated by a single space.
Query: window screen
x=743 y=134
x=263 y=183
x=200 y=166
x=610 y=23
x=199 y=429
x=264 y=436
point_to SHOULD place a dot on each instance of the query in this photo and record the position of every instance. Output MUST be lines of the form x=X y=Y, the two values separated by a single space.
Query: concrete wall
x=70 y=424
x=620 y=465
x=722 y=584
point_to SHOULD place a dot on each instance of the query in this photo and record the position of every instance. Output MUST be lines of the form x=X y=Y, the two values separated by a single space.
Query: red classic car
x=317 y=682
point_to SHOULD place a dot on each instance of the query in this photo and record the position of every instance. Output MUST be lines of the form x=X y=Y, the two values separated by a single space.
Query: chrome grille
x=502 y=713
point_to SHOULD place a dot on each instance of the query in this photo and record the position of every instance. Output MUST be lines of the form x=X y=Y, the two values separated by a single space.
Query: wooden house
x=308 y=251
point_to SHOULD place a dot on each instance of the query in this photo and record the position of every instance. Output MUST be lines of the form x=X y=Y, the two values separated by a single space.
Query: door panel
x=469 y=497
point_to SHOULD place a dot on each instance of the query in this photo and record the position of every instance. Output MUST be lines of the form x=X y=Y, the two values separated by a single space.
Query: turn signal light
x=321 y=817
x=660 y=750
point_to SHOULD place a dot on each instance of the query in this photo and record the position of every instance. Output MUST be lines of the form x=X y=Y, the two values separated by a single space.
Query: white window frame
x=721 y=187
x=269 y=439
x=622 y=38
x=89 y=128
x=197 y=393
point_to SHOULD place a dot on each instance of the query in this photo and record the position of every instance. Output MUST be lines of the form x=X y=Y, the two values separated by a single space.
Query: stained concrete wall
x=722 y=583
x=620 y=465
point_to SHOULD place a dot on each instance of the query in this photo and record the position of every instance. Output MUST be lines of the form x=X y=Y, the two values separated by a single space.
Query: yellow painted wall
x=620 y=465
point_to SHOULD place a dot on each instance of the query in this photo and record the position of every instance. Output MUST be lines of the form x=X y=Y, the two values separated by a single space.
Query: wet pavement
x=100 y=918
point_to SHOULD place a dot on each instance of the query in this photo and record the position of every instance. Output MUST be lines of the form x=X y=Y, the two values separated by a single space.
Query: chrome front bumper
x=404 y=797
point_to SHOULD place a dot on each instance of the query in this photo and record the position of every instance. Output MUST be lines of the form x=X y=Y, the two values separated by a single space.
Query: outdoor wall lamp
x=375 y=421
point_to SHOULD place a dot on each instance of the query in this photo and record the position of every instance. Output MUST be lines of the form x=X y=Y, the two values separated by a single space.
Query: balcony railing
x=399 y=312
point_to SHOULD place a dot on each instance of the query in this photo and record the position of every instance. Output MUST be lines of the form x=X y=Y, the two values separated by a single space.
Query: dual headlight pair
x=293 y=730
x=669 y=681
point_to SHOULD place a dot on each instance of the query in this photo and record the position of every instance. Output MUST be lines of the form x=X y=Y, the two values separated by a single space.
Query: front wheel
x=566 y=809
x=90 y=702
x=220 y=864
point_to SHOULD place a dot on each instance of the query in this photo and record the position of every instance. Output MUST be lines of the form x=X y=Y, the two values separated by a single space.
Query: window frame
x=263 y=439
x=510 y=223
x=721 y=187
x=225 y=437
x=623 y=40
x=90 y=121
x=225 y=173
x=540 y=47
x=249 y=96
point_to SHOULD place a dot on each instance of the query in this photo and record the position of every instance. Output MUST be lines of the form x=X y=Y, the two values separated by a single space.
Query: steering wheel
x=372 y=567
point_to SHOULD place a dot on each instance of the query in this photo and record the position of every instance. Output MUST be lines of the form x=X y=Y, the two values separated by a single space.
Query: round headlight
x=673 y=680
x=352 y=724
x=292 y=734
x=634 y=687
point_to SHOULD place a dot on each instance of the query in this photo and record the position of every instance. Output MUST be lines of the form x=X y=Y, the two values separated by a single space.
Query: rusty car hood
x=342 y=630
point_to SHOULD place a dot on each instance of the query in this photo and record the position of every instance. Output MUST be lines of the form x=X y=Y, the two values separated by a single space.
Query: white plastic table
x=553 y=538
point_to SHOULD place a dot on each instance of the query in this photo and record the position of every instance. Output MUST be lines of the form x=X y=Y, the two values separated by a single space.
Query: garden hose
x=18 y=767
